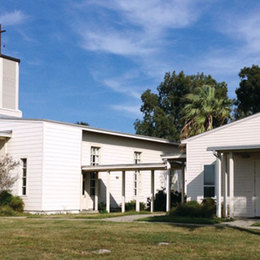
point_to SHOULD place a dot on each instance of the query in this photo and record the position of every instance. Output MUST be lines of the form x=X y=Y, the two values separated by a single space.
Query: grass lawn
x=257 y=224
x=88 y=215
x=37 y=238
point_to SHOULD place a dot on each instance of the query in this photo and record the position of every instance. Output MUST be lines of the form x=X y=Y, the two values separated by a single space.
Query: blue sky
x=91 y=60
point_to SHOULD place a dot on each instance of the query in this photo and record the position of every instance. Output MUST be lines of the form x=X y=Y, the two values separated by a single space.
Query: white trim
x=185 y=141
x=7 y=112
x=218 y=172
x=125 y=167
x=17 y=87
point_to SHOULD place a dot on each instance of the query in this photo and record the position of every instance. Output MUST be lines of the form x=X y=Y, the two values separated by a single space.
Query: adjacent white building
x=225 y=163
x=69 y=167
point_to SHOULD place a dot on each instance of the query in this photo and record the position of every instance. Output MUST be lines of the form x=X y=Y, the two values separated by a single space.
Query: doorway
x=88 y=191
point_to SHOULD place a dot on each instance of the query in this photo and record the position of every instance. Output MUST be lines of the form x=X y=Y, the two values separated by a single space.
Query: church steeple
x=9 y=85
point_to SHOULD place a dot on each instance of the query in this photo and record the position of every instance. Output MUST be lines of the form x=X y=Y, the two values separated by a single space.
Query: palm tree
x=204 y=111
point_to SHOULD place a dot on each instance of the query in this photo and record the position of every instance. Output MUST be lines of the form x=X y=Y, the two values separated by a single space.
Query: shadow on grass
x=247 y=230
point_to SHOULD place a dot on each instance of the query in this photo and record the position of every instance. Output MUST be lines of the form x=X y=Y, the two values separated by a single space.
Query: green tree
x=82 y=123
x=248 y=93
x=204 y=111
x=162 y=111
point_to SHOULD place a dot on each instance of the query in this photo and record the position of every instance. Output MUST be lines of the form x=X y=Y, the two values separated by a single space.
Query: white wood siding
x=62 y=167
x=119 y=150
x=246 y=132
x=27 y=142
x=10 y=84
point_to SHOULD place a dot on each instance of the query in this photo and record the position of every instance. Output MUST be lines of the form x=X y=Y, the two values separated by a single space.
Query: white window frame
x=209 y=185
x=137 y=160
x=24 y=175
x=94 y=155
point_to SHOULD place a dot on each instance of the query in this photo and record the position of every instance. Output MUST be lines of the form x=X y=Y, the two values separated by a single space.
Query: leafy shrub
x=7 y=211
x=5 y=197
x=131 y=205
x=206 y=209
x=7 y=200
x=160 y=200
x=102 y=207
x=17 y=204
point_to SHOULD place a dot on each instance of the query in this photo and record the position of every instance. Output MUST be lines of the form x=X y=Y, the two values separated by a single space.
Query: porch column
x=225 y=182
x=183 y=183
x=218 y=185
x=108 y=193
x=231 y=185
x=168 y=187
x=137 y=202
x=152 y=190
x=96 y=192
x=123 y=191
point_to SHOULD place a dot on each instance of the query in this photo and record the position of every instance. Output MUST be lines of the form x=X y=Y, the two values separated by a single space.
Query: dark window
x=92 y=183
x=24 y=177
x=209 y=181
x=83 y=185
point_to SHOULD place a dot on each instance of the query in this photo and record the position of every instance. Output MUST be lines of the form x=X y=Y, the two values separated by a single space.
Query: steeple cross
x=1 y=31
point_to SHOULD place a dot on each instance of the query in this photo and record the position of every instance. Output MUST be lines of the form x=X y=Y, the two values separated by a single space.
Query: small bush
x=7 y=211
x=131 y=205
x=17 y=204
x=5 y=197
x=13 y=202
x=160 y=200
x=102 y=207
x=206 y=209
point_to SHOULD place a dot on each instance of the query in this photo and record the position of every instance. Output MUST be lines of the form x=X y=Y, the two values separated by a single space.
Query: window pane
x=209 y=174
x=24 y=163
x=83 y=186
x=24 y=190
x=209 y=192
x=92 y=191
x=92 y=183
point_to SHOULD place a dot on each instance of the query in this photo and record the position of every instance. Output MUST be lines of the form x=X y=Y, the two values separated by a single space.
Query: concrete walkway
x=131 y=218
x=243 y=223
x=239 y=223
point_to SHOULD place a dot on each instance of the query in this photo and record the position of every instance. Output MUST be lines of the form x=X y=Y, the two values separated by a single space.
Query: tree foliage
x=7 y=174
x=82 y=123
x=248 y=93
x=204 y=111
x=163 y=111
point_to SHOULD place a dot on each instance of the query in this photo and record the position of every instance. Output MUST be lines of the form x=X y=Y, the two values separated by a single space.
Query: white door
x=87 y=197
x=257 y=188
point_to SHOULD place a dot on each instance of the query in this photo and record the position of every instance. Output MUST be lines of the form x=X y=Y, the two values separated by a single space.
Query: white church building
x=70 y=168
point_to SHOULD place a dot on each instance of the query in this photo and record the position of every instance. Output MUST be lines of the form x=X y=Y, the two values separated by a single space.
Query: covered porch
x=237 y=180
x=153 y=168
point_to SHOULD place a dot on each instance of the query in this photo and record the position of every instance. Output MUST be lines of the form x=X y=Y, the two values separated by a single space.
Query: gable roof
x=99 y=130
x=185 y=141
